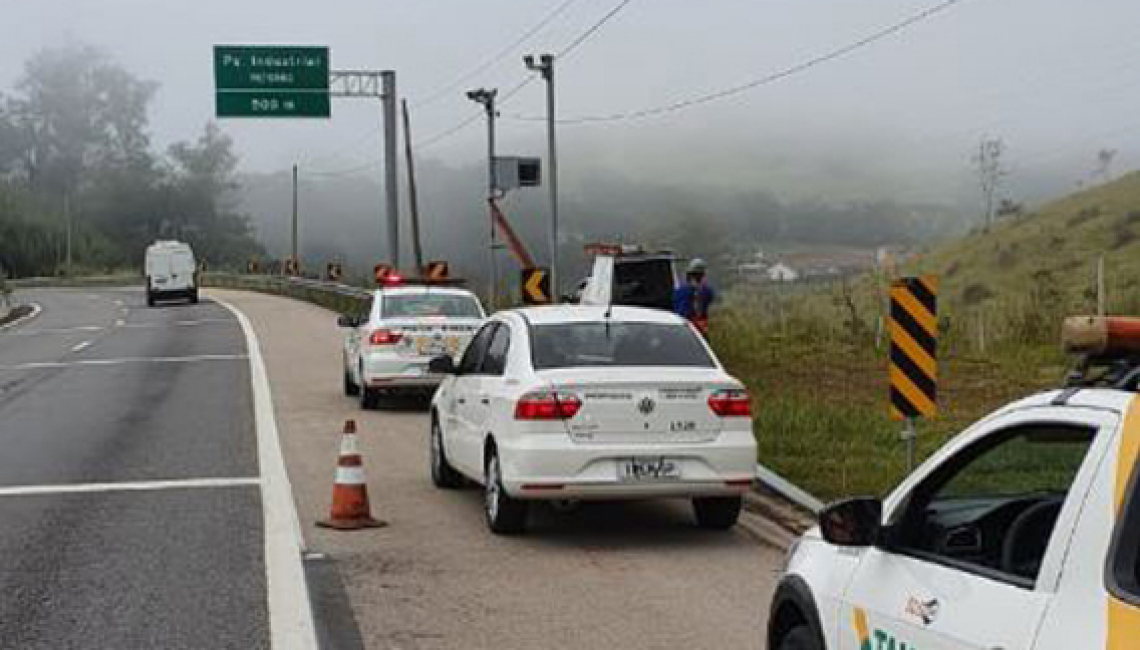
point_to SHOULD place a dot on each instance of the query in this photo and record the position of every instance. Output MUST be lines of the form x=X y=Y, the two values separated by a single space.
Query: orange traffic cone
x=350 y=509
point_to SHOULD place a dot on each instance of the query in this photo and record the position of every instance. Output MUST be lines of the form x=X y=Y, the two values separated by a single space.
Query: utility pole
x=486 y=98
x=545 y=67
x=294 y=247
x=388 y=100
x=413 y=199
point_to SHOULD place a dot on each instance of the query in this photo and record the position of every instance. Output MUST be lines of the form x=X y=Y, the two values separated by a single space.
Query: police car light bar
x=614 y=250
x=1103 y=336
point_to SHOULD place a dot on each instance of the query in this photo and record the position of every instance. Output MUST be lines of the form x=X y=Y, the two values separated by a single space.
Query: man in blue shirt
x=693 y=298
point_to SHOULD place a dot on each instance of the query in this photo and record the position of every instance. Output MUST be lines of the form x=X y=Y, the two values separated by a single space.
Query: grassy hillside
x=1048 y=254
x=815 y=357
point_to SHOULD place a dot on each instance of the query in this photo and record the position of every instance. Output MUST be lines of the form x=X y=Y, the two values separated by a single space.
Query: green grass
x=815 y=359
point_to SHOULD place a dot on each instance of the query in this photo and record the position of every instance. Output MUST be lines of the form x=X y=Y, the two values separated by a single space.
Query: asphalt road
x=634 y=576
x=130 y=516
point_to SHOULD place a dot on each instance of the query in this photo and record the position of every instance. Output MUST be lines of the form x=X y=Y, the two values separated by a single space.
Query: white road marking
x=135 y=486
x=122 y=323
x=119 y=302
x=61 y=330
x=80 y=346
x=180 y=323
x=290 y=612
x=36 y=309
x=36 y=365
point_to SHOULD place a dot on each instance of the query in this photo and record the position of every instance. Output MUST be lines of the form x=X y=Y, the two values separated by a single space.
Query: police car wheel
x=718 y=513
x=350 y=387
x=799 y=638
x=369 y=398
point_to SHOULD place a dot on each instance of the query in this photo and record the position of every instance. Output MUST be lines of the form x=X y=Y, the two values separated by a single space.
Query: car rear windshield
x=417 y=305
x=576 y=345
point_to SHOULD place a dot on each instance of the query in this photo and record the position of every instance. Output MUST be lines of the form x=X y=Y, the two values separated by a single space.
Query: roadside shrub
x=976 y=293
x=1122 y=234
x=1086 y=214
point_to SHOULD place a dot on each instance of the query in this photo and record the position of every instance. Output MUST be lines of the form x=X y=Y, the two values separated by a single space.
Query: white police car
x=1021 y=533
x=592 y=402
x=401 y=328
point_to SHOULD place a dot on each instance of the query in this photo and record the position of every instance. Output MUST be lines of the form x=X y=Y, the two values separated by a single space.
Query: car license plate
x=431 y=347
x=648 y=468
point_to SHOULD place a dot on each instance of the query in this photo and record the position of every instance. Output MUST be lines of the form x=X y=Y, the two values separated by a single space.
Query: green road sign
x=273 y=103
x=271 y=81
x=270 y=67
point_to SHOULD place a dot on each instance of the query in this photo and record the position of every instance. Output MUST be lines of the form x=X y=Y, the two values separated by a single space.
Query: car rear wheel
x=505 y=516
x=149 y=299
x=350 y=387
x=194 y=297
x=717 y=513
x=799 y=638
x=443 y=475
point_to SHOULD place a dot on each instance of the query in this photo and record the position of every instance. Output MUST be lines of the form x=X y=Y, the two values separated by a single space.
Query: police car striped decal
x=1124 y=619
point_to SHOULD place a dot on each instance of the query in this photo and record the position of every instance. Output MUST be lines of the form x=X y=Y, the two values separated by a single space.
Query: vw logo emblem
x=646 y=405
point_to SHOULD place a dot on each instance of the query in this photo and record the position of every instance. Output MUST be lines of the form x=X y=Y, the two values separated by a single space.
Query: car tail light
x=547 y=405
x=384 y=337
x=731 y=403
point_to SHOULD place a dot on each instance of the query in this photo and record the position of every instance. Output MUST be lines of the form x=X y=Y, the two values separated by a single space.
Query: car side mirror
x=852 y=522
x=442 y=365
x=346 y=320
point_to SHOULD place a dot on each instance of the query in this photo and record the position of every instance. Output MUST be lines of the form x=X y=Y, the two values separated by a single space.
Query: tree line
x=78 y=173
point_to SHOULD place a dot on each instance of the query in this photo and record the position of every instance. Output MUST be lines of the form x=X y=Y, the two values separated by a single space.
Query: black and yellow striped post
x=914 y=353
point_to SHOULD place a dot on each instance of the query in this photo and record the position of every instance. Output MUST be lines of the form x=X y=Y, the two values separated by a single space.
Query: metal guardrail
x=342 y=298
x=79 y=281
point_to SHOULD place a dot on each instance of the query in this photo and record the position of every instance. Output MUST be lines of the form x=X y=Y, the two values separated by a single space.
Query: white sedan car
x=400 y=330
x=592 y=402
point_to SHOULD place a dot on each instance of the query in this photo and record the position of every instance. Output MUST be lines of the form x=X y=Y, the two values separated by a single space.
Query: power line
x=584 y=36
x=762 y=81
x=364 y=140
x=573 y=45
x=498 y=56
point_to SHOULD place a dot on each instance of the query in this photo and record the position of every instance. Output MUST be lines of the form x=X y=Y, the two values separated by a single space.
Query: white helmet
x=697 y=265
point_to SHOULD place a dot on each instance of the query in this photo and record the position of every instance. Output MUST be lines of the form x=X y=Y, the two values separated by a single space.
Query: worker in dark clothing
x=695 y=296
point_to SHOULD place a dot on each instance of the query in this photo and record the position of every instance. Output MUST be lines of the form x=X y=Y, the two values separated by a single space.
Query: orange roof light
x=1101 y=335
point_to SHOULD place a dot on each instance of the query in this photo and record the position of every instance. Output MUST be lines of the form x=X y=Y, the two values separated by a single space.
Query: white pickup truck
x=1022 y=533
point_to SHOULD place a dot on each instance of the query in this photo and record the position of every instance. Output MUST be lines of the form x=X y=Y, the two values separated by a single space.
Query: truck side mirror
x=852 y=522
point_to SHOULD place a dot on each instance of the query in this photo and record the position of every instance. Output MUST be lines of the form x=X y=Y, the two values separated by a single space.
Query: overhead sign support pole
x=388 y=99
x=379 y=84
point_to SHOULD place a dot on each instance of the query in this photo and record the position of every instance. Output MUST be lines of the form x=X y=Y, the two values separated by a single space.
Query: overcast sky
x=1056 y=79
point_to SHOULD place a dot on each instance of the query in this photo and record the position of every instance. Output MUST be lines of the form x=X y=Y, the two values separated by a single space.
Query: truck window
x=644 y=283
x=1124 y=558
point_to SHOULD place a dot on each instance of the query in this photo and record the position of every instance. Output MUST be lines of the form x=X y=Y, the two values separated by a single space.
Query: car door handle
x=461 y=400
x=486 y=401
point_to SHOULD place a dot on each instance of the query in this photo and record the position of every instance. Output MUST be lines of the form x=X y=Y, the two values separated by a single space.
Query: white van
x=171 y=272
